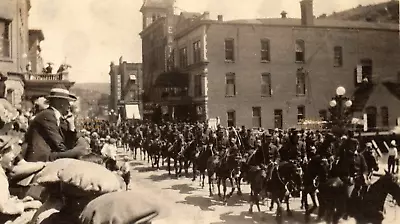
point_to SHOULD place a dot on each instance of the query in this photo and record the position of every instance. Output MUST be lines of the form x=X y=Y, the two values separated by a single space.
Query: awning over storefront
x=172 y=79
x=132 y=111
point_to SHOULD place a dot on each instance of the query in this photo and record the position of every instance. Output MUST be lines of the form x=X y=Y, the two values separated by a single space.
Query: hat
x=113 y=140
x=393 y=143
x=59 y=91
x=369 y=144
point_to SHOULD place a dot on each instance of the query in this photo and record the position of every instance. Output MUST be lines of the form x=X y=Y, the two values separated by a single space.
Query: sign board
x=132 y=111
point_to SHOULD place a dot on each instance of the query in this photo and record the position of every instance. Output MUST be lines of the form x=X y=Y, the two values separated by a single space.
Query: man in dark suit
x=47 y=134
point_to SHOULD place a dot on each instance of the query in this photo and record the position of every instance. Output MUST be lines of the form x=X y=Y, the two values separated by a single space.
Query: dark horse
x=286 y=179
x=371 y=159
x=229 y=168
x=316 y=171
x=204 y=152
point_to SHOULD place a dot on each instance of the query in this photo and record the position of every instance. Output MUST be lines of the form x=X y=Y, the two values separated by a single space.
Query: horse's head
x=391 y=184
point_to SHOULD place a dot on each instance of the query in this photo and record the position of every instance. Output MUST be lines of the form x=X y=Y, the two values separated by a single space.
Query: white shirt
x=110 y=151
x=393 y=152
x=58 y=115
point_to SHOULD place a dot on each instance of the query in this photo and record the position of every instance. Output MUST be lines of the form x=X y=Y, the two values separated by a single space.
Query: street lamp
x=340 y=106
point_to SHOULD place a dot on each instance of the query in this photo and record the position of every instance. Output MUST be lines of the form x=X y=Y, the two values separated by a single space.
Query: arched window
x=371 y=117
x=385 y=116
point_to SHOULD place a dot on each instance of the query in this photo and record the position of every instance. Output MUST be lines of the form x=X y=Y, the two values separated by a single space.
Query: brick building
x=14 y=46
x=272 y=72
x=126 y=90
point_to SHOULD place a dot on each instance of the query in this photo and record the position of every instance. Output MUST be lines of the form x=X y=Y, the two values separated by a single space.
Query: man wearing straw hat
x=45 y=137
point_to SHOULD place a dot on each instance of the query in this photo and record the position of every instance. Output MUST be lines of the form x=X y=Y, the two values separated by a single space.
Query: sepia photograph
x=199 y=112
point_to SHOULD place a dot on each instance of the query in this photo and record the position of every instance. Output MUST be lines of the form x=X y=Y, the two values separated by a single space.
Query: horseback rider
x=271 y=154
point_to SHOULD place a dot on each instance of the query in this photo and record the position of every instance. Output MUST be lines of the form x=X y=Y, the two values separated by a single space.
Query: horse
x=286 y=178
x=186 y=156
x=372 y=200
x=200 y=162
x=316 y=171
x=229 y=168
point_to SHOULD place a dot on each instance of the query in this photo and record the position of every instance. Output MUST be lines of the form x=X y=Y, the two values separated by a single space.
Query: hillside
x=96 y=87
x=387 y=12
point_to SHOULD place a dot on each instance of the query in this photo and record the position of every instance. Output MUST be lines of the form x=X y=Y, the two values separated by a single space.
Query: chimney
x=220 y=18
x=283 y=15
x=307 y=14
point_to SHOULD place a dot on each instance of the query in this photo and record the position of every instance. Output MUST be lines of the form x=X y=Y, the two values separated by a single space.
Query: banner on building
x=132 y=111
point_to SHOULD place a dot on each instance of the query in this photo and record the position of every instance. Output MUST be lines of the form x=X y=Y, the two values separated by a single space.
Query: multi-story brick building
x=126 y=90
x=274 y=72
x=14 y=46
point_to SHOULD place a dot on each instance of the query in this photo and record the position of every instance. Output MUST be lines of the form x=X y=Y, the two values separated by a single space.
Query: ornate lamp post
x=339 y=108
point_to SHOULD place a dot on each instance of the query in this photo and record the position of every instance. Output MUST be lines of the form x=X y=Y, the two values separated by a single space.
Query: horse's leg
x=233 y=187
x=219 y=185
x=210 y=182
x=251 y=201
x=224 y=186
x=169 y=164
x=272 y=204
x=278 y=210
x=289 y=212
x=238 y=186
x=204 y=176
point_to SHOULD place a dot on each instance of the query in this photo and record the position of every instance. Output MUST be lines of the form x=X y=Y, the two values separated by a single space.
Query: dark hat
x=61 y=92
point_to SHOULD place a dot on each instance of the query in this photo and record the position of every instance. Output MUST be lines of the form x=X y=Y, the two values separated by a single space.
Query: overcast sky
x=92 y=33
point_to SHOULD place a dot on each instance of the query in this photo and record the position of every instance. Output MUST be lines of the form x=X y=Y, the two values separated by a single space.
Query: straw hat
x=393 y=143
x=61 y=92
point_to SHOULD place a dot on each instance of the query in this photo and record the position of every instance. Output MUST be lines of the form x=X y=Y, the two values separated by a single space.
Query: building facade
x=126 y=90
x=14 y=46
x=275 y=73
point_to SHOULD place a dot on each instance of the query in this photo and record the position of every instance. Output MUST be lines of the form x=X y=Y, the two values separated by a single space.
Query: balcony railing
x=48 y=77
x=4 y=48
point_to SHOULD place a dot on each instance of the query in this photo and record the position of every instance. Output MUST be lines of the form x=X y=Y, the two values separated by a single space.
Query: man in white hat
x=393 y=156
x=45 y=137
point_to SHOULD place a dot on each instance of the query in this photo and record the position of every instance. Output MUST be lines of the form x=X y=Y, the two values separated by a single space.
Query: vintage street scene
x=199 y=112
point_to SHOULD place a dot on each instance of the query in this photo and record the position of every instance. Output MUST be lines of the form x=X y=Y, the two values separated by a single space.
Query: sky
x=89 y=34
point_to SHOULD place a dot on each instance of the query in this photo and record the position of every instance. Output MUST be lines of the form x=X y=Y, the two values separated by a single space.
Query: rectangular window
x=323 y=114
x=278 y=119
x=301 y=113
x=337 y=56
x=196 y=52
x=300 y=83
x=257 y=117
x=265 y=50
x=171 y=60
x=229 y=50
x=5 y=40
x=300 y=51
x=230 y=85
x=266 y=84
x=197 y=86
x=231 y=118
x=385 y=116
x=183 y=59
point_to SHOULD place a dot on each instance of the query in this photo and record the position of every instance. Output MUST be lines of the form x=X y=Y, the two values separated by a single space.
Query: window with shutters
x=278 y=118
x=231 y=118
x=301 y=113
x=183 y=57
x=385 y=116
x=266 y=84
x=196 y=52
x=230 y=85
x=229 y=50
x=300 y=51
x=371 y=117
x=366 y=70
x=300 y=83
x=256 y=117
x=265 y=51
x=337 y=56
x=5 y=40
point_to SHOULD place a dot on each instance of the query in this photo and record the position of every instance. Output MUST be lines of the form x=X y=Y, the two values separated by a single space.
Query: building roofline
x=199 y=23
